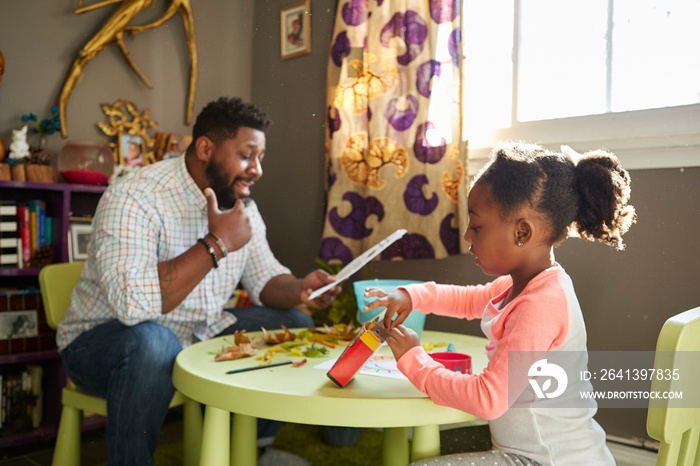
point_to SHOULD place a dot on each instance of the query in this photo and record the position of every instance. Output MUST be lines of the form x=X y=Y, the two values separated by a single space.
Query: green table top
x=306 y=395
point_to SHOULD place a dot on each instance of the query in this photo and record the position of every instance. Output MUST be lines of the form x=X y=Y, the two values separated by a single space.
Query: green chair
x=57 y=282
x=675 y=423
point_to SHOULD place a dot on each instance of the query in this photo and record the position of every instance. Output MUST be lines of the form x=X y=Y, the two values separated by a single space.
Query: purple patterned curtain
x=394 y=155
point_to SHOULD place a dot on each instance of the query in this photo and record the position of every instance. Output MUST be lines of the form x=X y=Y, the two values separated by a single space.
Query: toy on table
x=415 y=320
x=457 y=362
x=366 y=342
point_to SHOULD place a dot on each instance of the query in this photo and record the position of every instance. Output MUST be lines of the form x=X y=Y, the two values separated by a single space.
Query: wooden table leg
x=216 y=437
x=244 y=450
x=426 y=442
x=395 y=452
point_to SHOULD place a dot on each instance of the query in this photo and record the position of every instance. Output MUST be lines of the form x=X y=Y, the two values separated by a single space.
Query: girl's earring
x=520 y=243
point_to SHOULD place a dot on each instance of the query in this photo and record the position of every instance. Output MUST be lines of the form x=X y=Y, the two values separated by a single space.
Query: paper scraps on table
x=378 y=365
x=242 y=348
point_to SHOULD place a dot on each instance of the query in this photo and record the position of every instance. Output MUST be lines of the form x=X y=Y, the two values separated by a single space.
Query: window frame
x=667 y=137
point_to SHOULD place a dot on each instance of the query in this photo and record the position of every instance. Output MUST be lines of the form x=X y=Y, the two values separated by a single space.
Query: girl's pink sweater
x=546 y=316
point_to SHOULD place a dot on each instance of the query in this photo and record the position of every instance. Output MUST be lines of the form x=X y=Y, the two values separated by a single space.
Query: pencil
x=254 y=368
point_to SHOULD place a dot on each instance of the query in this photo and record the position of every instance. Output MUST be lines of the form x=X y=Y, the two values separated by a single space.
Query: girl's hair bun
x=603 y=186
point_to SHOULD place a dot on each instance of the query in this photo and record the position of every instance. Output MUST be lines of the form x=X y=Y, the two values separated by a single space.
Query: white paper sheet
x=377 y=365
x=359 y=262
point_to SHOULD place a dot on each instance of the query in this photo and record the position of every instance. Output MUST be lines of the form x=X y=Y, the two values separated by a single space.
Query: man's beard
x=225 y=194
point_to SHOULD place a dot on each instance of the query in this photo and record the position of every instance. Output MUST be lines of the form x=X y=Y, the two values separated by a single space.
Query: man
x=169 y=245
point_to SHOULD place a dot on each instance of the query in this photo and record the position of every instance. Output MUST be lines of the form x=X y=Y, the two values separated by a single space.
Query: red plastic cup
x=458 y=362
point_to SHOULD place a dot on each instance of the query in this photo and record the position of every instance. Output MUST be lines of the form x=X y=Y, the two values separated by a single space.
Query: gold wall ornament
x=113 y=31
x=125 y=120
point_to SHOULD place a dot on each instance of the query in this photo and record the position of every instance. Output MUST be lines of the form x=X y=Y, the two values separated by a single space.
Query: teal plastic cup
x=415 y=320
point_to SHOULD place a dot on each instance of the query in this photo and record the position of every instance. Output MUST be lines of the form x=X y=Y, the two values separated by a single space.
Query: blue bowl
x=415 y=320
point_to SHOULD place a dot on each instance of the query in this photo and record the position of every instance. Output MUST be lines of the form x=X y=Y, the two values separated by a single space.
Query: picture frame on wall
x=131 y=150
x=295 y=29
x=79 y=239
x=18 y=324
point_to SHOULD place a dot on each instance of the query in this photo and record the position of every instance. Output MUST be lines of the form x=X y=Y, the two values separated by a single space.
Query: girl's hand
x=395 y=301
x=401 y=340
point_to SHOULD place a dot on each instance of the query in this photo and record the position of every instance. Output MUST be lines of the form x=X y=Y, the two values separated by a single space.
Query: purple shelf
x=20 y=358
x=43 y=433
x=7 y=272
x=47 y=432
x=63 y=200
x=82 y=188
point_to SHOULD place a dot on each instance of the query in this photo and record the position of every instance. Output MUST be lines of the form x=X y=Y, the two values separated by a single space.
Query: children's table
x=305 y=395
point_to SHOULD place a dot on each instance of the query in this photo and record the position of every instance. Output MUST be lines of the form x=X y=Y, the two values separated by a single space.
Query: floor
x=94 y=449
x=94 y=446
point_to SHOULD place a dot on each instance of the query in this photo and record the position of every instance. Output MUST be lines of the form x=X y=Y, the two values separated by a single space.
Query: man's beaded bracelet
x=210 y=248
x=219 y=243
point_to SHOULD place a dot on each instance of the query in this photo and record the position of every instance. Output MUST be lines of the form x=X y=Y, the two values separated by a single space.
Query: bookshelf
x=19 y=290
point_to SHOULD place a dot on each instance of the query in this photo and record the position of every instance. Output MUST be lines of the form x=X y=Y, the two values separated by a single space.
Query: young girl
x=524 y=203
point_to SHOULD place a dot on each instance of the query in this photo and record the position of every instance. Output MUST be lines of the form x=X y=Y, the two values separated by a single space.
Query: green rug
x=306 y=441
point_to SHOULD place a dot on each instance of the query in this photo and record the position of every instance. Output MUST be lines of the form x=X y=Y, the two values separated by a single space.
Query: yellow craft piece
x=371 y=340
x=431 y=346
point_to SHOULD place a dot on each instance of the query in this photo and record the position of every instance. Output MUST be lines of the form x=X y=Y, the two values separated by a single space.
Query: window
x=620 y=74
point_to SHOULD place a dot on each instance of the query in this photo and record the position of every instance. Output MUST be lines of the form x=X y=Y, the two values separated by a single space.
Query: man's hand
x=401 y=340
x=231 y=226
x=315 y=280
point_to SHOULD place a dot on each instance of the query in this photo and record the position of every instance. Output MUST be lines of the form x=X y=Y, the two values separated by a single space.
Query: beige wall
x=626 y=296
x=40 y=40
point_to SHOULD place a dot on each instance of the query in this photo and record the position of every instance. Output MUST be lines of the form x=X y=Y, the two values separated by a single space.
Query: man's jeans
x=131 y=367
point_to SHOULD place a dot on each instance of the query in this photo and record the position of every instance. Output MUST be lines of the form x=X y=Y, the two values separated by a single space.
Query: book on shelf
x=24 y=232
x=31 y=226
x=10 y=252
x=41 y=226
x=9 y=235
x=8 y=219
x=48 y=231
x=19 y=403
x=36 y=372
x=37 y=216
x=8 y=209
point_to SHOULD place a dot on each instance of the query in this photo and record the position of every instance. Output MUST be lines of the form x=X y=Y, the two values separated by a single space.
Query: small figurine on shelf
x=32 y=163
x=19 y=149
x=19 y=154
